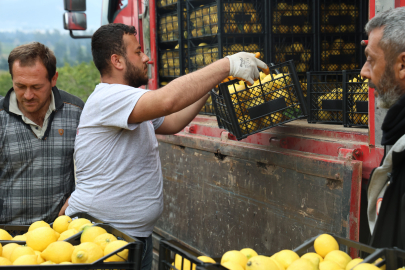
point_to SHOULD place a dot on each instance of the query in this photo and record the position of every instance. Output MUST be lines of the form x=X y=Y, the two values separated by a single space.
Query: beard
x=389 y=91
x=134 y=76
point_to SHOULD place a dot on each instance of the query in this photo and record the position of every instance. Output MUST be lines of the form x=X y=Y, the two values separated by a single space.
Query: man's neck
x=37 y=117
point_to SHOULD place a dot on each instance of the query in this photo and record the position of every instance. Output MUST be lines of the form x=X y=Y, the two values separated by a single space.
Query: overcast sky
x=31 y=15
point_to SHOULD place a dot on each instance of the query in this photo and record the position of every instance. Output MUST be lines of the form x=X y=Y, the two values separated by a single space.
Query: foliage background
x=79 y=80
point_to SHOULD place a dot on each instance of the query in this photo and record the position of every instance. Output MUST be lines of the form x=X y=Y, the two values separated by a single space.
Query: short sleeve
x=117 y=104
x=157 y=122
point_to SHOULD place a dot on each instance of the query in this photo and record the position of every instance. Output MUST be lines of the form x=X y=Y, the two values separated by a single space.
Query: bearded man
x=385 y=69
x=119 y=176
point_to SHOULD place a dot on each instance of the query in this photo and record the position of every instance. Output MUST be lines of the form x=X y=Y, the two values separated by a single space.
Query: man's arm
x=175 y=122
x=62 y=211
x=186 y=90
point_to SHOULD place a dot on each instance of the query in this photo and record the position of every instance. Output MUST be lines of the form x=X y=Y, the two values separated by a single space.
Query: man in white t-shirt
x=119 y=177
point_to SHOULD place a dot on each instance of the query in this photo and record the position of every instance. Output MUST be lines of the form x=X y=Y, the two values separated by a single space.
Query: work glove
x=244 y=66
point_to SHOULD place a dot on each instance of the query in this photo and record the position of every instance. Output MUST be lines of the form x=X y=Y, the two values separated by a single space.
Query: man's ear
x=401 y=66
x=54 y=79
x=117 y=61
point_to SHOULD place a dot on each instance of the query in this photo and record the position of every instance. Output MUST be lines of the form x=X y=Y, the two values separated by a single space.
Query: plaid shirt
x=37 y=175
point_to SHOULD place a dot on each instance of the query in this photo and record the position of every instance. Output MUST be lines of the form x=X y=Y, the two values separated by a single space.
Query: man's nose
x=28 y=94
x=145 y=58
x=365 y=71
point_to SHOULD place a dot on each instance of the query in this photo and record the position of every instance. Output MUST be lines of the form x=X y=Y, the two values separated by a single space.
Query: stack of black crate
x=171 y=21
x=293 y=35
x=217 y=28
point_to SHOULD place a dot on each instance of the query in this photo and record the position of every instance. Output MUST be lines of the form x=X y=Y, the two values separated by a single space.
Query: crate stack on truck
x=318 y=35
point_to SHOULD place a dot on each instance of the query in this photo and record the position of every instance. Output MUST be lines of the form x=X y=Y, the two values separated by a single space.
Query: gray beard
x=392 y=90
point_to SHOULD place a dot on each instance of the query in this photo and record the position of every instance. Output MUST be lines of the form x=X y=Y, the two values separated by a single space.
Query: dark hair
x=29 y=53
x=109 y=40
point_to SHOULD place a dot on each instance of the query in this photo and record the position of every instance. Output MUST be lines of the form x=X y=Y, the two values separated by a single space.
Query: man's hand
x=62 y=211
x=244 y=65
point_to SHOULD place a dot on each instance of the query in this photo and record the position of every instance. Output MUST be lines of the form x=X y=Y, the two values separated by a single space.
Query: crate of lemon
x=327 y=256
x=77 y=242
x=272 y=100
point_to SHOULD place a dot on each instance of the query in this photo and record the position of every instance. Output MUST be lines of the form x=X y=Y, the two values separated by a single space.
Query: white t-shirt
x=119 y=176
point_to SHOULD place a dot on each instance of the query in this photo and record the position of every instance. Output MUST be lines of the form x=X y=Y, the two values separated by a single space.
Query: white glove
x=244 y=65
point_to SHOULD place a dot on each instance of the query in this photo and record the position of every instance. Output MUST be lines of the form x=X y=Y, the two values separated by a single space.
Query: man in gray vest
x=38 y=125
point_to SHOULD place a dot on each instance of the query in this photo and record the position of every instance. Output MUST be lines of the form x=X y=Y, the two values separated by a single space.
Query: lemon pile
x=45 y=245
x=327 y=256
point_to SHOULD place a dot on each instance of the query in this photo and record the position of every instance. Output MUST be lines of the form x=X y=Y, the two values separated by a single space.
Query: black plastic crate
x=169 y=250
x=355 y=89
x=203 y=20
x=134 y=246
x=203 y=54
x=169 y=26
x=246 y=110
x=391 y=258
x=208 y=108
x=170 y=62
x=340 y=52
x=341 y=16
x=325 y=97
x=292 y=17
x=165 y=3
x=298 y=48
x=302 y=77
x=237 y=17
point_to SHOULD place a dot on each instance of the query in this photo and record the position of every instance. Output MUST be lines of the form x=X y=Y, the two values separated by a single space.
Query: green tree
x=5 y=83
x=78 y=80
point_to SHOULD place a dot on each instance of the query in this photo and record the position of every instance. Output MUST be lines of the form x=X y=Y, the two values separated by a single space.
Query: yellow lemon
x=178 y=263
x=234 y=256
x=39 y=258
x=339 y=257
x=26 y=260
x=231 y=266
x=249 y=253
x=5 y=261
x=104 y=239
x=280 y=267
x=20 y=237
x=378 y=260
x=286 y=257
x=324 y=244
x=67 y=234
x=329 y=265
x=303 y=264
x=61 y=223
x=4 y=235
x=311 y=255
x=48 y=262
x=8 y=249
x=65 y=263
x=38 y=224
x=353 y=263
x=261 y=262
x=366 y=266
x=206 y=259
x=1 y=249
x=57 y=234
x=84 y=226
x=90 y=233
x=58 y=252
x=77 y=223
x=21 y=251
x=87 y=253
x=113 y=246
x=40 y=238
